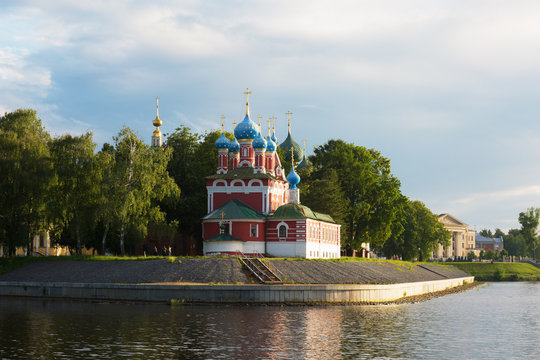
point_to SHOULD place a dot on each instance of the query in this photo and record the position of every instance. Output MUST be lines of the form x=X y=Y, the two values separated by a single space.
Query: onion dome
x=293 y=178
x=222 y=142
x=270 y=144
x=290 y=143
x=259 y=143
x=157 y=121
x=156 y=133
x=303 y=164
x=234 y=146
x=246 y=130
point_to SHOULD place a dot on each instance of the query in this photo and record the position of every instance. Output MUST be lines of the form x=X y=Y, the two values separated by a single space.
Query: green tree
x=514 y=243
x=529 y=227
x=140 y=179
x=486 y=233
x=325 y=196
x=371 y=191
x=471 y=256
x=194 y=157
x=26 y=179
x=77 y=186
x=422 y=234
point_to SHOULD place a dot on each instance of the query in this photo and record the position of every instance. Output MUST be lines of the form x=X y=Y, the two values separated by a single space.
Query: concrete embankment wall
x=348 y=293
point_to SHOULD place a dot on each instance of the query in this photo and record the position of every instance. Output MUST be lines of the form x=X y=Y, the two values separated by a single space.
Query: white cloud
x=530 y=191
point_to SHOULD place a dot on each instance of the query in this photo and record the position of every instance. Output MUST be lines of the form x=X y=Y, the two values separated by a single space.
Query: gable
x=448 y=219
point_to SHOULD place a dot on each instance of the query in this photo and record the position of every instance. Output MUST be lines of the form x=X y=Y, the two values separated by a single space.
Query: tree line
x=524 y=241
x=109 y=199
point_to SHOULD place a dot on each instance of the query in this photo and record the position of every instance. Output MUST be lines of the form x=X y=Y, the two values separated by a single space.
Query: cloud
x=501 y=195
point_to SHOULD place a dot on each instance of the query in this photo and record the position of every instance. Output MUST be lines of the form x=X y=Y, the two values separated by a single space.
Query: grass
x=500 y=271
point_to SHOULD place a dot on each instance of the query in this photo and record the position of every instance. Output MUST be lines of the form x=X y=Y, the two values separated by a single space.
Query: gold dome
x=157 y=121
x=156 y=133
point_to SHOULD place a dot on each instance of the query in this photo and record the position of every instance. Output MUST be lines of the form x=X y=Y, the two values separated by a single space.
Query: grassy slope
x=499 y=271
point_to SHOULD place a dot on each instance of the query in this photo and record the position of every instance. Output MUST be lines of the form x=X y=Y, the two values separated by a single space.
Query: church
x=254 y=209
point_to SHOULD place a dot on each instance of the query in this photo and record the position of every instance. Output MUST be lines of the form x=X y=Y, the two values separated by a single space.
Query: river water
x=494 y=321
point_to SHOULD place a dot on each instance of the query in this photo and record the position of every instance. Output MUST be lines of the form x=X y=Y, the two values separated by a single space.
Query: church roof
x=304 y=163
x=234 y=209
x=289 y=143
x=298 y=211
x=243 y=173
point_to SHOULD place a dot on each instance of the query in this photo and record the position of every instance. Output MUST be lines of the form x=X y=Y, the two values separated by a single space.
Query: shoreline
x=241 y=294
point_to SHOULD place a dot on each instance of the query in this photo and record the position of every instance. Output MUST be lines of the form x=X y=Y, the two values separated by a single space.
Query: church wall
x=238 y=228
x=286 y=249
x=223 y=247
x=296 y=230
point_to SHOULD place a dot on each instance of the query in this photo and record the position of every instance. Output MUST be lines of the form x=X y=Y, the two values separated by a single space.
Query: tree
x=325 y=196
x=529 y=227
x=194 y=157
x=486 y=233
x=471 y=256
x=422 y=234
x=514 y=243
x=27 y=176
x=140 y=178
x=77 y=185
x=371 y=191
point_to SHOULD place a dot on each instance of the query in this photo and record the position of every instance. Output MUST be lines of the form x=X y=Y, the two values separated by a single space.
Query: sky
x=447 y=90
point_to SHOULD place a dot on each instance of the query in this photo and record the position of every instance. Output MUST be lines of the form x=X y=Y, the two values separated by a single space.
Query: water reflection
x=496 y=321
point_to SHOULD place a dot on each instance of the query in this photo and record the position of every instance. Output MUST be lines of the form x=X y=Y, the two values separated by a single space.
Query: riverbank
x=227 y=271
x=499 y=271
x=224 y=280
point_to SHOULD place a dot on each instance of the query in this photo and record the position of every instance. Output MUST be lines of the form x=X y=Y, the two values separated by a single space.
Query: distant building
x=462 y=241
x=486 y=243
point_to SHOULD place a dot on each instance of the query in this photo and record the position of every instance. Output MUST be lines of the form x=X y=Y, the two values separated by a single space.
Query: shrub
x=499 y=274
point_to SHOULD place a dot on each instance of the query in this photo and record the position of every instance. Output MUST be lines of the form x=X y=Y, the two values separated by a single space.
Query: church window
x=282 y=231
x=253 y=230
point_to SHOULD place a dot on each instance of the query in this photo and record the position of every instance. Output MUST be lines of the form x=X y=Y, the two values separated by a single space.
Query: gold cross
x=222 y=120
x=247 y=92
x=259 y=117
x=289 y=113
x=157 y=106
x=292 y=156
x=234 y=124
x=222 y=213
x=304 y=140
x=269 y=123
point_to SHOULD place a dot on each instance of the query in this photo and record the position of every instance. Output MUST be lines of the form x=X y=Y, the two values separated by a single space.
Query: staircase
x=260 y=270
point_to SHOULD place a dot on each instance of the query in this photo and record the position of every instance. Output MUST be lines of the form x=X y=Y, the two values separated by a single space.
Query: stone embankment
x=224 y=280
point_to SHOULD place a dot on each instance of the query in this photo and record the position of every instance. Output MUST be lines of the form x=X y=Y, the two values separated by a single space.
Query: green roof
x=297 y=211
x=289 y=143
x=304 y=163
x=242 y=173
x=234 y=209
x=224 y=237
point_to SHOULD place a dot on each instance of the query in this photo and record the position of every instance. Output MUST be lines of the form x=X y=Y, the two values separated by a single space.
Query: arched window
x=282 y=231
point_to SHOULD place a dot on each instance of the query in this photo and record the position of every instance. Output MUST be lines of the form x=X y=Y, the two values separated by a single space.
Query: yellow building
x=462 y=242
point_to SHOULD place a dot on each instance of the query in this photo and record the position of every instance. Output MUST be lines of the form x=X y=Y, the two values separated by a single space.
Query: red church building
x=253 y=209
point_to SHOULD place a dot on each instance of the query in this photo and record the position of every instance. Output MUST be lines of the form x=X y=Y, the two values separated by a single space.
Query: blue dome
x=270 y=144
x=246 y=130
x=222 y=142
x=259 y=143
x=234 y=146
x=274 y=139
x=293 y=178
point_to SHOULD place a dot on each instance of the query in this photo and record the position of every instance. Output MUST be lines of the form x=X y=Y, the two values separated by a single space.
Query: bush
x=499 y=274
